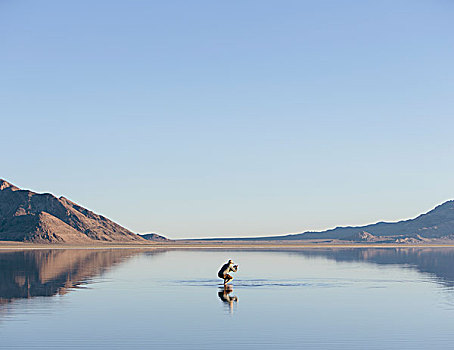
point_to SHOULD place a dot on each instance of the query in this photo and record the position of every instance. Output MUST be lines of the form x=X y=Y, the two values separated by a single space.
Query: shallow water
x=300 y=298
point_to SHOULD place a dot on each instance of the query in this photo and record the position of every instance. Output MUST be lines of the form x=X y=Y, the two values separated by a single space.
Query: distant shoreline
x=9 y=245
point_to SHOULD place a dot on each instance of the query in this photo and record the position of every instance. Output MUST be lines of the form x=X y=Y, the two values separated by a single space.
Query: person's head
x=230 y=261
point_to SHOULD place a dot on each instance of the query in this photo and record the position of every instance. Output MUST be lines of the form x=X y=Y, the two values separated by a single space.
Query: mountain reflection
x=437 y=262
x=31 y=273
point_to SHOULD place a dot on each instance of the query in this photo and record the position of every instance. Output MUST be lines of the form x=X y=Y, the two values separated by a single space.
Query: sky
x=230 y=118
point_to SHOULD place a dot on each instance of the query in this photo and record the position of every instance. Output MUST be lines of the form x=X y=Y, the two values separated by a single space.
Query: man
x=225 y=269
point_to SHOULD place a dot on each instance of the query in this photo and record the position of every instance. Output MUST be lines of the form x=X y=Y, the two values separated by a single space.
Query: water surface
x=301 y=298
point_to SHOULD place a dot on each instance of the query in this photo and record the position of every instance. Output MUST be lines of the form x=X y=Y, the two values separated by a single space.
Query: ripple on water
x=261 y=283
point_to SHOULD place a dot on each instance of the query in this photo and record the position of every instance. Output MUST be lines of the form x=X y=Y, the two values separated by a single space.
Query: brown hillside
x=44 y=218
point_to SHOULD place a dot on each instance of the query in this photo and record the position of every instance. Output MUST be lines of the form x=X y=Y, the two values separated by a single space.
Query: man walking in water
x=225 y=269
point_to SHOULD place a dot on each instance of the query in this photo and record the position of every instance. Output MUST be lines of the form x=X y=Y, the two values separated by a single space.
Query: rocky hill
x=154 y=237
x=43 y=218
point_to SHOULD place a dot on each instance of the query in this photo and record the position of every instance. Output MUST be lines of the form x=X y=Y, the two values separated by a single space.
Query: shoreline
x=5 y=245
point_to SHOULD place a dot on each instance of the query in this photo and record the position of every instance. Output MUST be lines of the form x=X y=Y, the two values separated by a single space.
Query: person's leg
x=227 y=278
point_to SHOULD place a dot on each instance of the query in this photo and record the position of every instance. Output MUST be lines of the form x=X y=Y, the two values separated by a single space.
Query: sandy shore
x=4 y=245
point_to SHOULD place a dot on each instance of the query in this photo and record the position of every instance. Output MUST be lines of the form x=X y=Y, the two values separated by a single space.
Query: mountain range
x=437 y=225
x=43 y=218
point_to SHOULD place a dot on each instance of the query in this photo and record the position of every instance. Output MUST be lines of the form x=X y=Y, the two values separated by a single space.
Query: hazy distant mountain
x=44 y=218
x=436 y=225
x=154 y=237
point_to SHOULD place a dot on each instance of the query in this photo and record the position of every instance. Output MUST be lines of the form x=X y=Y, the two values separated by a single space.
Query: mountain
x=435 y=225
x=43 y=218
x=154 y=237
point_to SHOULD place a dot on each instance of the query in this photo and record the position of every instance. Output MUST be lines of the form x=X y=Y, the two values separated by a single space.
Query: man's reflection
x=224 y=295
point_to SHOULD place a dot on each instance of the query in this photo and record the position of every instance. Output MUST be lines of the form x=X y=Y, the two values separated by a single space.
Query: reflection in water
x=224 y=295
x=437 y=262
x=31 y=273
x=304 y=300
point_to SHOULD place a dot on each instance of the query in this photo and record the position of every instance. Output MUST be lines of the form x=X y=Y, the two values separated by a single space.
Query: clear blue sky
x=227 y=118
